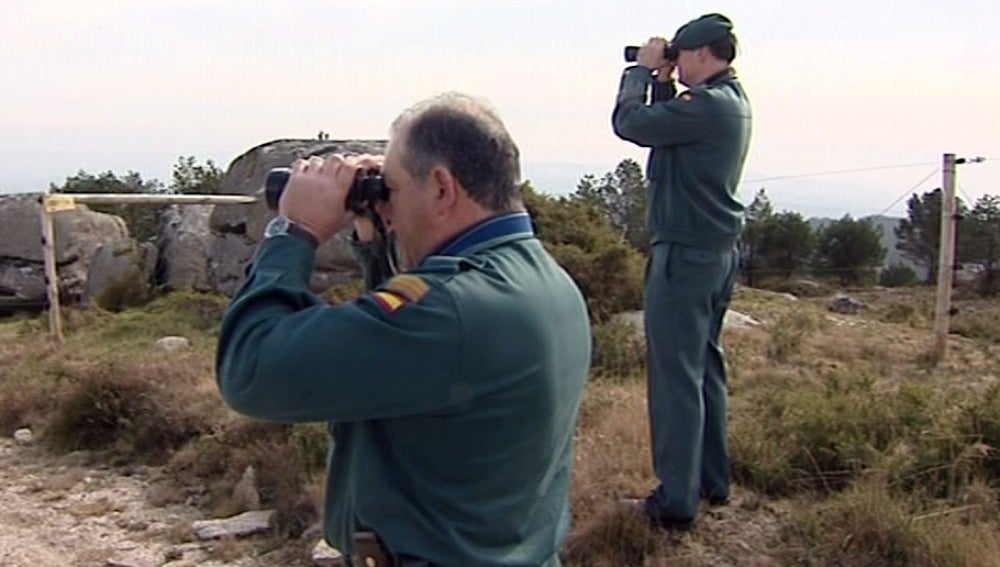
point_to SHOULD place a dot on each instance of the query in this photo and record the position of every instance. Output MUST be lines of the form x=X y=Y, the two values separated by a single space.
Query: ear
x=446 y=188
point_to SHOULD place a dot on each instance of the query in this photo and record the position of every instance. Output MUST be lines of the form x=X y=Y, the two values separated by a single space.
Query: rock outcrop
x=237 y=229
x=199 y=247
x=120 y=275
x=78 y=235
x=184 y=242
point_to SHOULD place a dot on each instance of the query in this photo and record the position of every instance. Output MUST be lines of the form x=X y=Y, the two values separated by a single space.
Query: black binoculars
x=670 y=53
x=368 y=189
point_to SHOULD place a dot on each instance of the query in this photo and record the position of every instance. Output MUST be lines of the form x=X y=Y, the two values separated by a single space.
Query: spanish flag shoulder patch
x=389 y=302
x=400 y=290
x=409 y=286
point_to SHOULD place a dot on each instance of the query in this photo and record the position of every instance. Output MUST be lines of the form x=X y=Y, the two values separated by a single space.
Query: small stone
x=244 y=524
x=124 y=563
x=137 y=526
x=845 y=304
x=323 y=555
x=737 y=320
x=171 y=344
x=24 y=436
x=245 y=492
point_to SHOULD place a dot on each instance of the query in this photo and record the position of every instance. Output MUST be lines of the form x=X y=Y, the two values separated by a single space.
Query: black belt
x=371 y=551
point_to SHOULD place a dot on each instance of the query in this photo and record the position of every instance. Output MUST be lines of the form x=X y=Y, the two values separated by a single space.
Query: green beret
x=702 y=31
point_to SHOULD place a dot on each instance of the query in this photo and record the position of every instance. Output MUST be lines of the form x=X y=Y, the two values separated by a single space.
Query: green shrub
x=619 y=350
x=980 y=421
x=126 y=407
x=977 y=321
x=287 y=459
x=610 y=279
x=788 y=333
x=899 y=313
x=897 y=275
x=820 y=436
x=608 y=271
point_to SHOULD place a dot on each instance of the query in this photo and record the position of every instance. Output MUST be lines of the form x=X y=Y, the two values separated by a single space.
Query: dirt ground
x=71 y=510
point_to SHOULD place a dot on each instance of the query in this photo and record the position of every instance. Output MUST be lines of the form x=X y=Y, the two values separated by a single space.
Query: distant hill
x=889 y=240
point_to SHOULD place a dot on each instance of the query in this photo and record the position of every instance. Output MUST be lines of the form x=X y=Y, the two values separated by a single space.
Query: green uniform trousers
x=687 y=294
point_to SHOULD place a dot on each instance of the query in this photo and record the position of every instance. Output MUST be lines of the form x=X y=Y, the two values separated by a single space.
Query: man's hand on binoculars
x=314 y=197
x=651 y=54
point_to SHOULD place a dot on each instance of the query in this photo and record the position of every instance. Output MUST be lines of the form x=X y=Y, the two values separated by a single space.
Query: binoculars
x=670 y=53
x=368 y=189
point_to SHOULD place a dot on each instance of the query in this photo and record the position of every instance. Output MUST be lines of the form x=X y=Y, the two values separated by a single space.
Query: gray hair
x=467 y=136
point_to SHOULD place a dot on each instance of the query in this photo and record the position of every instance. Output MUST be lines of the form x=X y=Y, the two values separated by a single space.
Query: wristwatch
x=281 y=225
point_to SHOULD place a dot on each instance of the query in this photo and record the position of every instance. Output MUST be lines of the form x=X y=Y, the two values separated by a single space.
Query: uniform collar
x=727 y=73
x=506 y=225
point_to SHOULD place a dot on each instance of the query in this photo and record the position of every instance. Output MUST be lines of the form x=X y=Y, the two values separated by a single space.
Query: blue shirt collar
x=506 y=224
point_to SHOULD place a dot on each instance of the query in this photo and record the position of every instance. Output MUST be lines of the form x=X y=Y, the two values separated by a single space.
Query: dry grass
x=849 y=446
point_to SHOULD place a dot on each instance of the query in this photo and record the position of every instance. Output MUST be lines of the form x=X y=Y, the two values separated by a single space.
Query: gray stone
x=185 y=241
x=325 y=556
x=247 y=523
x=737 y=320
x=845 y=304
x=24 y=436
x=118 y=562
x=78 y=234
x=733 y=320
x=228 y=256
x=171 y=344
x=245 y=492
x=237 y=229
x=22 y=279
x=120 y=275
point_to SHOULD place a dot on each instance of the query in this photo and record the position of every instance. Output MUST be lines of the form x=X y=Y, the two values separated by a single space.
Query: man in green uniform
x=698 y=142
x=452 y=389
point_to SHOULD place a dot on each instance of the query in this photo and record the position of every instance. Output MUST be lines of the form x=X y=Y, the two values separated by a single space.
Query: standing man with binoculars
x=698 y=142
x=452 y=389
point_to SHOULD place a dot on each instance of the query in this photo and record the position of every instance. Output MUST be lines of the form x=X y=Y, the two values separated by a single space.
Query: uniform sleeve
x=664 y=91
x=667 y=121
x=285 y=355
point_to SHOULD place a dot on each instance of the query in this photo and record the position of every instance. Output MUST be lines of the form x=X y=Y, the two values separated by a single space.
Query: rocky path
x=75 y=510
x=68 y=510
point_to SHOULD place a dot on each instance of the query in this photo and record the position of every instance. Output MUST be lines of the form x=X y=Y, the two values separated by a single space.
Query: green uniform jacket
x=699 y=142
x=451 y=391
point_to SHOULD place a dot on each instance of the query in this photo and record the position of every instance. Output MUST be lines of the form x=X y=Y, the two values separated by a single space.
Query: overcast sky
x=132 y=85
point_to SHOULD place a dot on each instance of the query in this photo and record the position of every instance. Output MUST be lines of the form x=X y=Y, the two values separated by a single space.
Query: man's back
x=487 y=478
x=452 y=391
x=699 y=142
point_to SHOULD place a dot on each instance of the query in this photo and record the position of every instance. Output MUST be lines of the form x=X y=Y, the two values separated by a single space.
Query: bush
x=788 y=333
x=897 y=275
x=821 y=436
x=287 y=460
x=977 y=321
x=981 y=423
x=608 y=271
x=619 y=350
x=609 y=279
x=127 y=407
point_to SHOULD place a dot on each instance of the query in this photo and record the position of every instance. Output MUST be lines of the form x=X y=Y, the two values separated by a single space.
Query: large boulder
x=185 y=240
x=78 y=234
x=237 y=229
x=120 y=275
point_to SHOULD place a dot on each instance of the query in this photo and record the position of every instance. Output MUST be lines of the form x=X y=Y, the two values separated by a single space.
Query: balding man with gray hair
x=451 y=389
